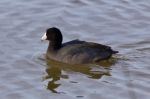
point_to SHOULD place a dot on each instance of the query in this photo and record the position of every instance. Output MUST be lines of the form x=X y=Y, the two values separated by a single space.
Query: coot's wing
x=82 y=44
x=101 y=47
x=84 y=52
x=76 y=41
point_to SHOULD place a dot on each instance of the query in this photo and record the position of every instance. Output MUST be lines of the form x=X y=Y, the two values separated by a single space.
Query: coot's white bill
x=44 y=37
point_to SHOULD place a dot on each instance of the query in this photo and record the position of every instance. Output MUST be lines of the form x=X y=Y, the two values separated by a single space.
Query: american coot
x=75 y=51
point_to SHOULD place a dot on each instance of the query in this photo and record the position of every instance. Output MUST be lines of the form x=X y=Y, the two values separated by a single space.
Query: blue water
x=124 y=25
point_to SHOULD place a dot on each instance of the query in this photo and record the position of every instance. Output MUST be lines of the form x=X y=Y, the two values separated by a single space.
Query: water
x=122 y=24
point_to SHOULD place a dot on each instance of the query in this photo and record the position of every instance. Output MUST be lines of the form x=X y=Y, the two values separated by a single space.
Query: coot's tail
x=114 y=52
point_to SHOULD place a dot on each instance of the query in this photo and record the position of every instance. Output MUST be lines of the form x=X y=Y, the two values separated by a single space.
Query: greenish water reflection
x=93 y=71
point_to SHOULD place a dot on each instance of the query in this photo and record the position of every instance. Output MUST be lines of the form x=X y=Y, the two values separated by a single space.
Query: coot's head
x=53 y=35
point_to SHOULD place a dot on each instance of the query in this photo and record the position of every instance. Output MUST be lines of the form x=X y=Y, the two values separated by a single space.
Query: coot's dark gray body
x=76 y=51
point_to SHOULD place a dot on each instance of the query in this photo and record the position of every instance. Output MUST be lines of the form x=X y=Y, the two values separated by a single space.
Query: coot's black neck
x=54 y=45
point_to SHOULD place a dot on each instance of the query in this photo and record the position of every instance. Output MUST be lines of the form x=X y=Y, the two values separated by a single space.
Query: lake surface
x=122 y=24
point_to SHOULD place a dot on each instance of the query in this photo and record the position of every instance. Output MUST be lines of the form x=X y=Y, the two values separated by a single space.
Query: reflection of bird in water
x=54 y=71
x=55 y=74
